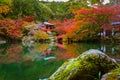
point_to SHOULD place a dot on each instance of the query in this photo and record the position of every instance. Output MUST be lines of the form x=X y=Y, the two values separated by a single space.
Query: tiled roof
x=117 y=22
x=46 y=23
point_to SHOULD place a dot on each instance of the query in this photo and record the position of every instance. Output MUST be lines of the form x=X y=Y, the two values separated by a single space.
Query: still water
x=38 y=61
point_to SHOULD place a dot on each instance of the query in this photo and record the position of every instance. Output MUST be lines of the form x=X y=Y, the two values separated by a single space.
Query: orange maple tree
x=88 y=22
x=11 y=29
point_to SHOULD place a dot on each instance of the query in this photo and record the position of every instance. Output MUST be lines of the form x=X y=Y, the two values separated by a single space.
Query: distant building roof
x=116 y=22
x=46 y=23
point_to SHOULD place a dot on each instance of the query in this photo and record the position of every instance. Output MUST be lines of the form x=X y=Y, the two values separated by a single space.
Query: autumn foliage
x=4 y=9
x=88 y=22
x=40 y=35
x=29 y=18
x=12 y=29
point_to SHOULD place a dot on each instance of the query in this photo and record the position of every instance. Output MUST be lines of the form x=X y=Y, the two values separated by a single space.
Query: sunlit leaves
x=4 y=9
x=40 y=35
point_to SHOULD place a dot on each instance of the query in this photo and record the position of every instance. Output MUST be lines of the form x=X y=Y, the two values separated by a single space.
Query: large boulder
x=113 y=75
x=87 y=66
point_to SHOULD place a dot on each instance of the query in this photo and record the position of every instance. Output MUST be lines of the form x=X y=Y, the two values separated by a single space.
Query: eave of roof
x=46 y=23
x=116 y=22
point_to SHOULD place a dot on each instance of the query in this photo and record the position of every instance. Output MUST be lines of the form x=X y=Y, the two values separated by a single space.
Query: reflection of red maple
x=14 y=49
x=13 y=54
x=65 y=56
x=62 y=54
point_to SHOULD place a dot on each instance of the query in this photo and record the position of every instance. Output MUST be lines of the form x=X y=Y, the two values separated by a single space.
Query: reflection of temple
x=105 y=49
x=39 y=51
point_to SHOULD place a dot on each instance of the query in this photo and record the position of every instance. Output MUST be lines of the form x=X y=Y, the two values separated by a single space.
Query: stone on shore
x=87 y=66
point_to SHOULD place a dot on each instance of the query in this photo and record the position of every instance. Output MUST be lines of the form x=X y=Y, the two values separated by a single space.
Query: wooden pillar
x=104 y=33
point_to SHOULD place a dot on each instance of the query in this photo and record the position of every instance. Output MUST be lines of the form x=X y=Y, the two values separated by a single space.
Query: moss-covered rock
x=85 y=67
x=113 y=75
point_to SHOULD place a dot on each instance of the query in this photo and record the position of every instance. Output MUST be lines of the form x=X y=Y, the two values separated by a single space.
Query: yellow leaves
x=29 y=25
x=40 y=35
x=4 y=9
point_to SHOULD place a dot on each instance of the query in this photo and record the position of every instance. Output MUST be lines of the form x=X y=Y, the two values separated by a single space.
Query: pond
x=37 y=61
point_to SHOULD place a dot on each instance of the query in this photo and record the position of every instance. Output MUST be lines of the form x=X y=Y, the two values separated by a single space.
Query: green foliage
x=58 y=8
x=5 y=2
x=21 y=8
x=44 y=13
x=75 y=5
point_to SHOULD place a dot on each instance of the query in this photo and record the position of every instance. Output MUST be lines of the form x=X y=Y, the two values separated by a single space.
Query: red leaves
x=89 y=20
x=14 y=34
x=107 y=27
x=29 y=18
x=84 y=11
x=102 y=10
x=15 y=30
x=11 y=28
x=99 y=15
x=63 y=26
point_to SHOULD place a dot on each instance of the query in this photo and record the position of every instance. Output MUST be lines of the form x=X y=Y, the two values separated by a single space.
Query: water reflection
x=11 y=54
x=37 y=52
x=113 y=50
x=18 y=62
x=39 y=60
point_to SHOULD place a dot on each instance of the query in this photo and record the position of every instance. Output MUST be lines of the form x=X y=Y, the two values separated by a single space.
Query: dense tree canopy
x=23 y=8
x=88 y=22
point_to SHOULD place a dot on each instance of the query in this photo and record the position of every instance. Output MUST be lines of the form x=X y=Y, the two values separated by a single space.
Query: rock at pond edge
x=84 y=67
